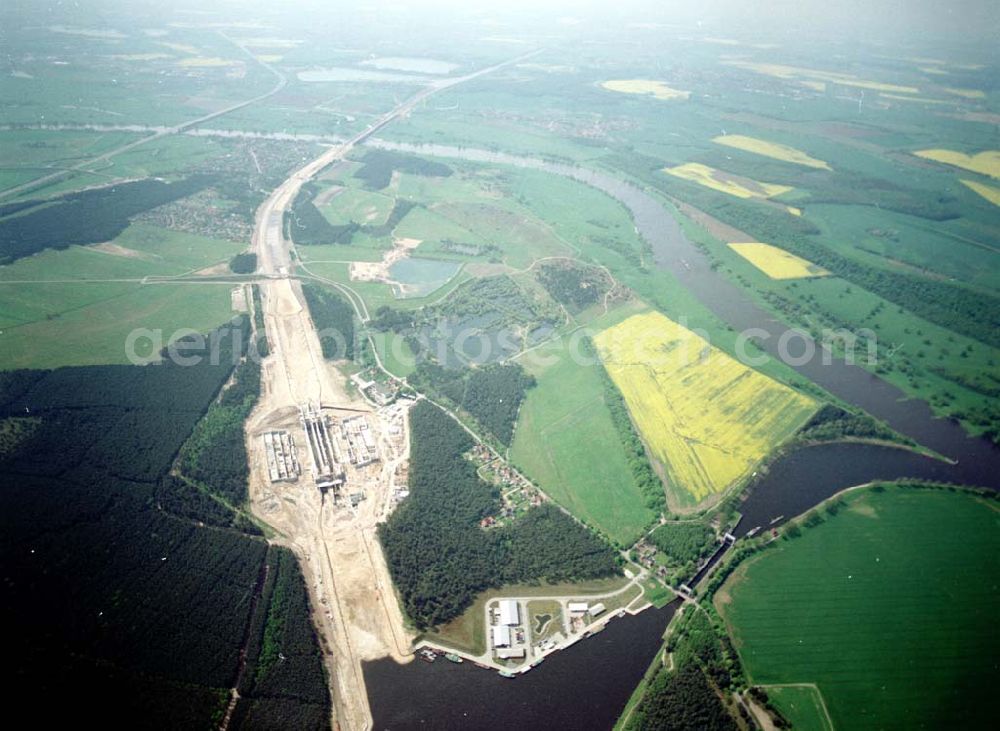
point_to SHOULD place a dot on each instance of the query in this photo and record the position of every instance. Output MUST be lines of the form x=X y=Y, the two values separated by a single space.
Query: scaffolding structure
x=282 y=463
x=323 y=451
x=359 y=441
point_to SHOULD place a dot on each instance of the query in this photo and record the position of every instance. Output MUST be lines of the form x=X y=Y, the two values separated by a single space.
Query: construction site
x=327 y=466
x=331 y=443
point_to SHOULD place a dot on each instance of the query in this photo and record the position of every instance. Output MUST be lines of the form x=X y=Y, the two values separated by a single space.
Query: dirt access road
x=355 y=607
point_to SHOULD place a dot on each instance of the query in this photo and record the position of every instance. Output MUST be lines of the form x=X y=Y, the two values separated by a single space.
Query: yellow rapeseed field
x=726 y=182
x=966 y=93
x=645 y=86
x=987 y=162
x=770 y=149
x=986 y=191
x=778 y=263
x=705 y=416
x=921 y=99
x=833 y=77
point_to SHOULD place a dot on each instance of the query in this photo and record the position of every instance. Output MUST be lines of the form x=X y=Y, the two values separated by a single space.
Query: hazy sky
x=864 y=19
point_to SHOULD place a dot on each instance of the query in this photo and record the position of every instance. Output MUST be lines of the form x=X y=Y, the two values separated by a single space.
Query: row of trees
x=215 y=455
x=645 y=477
x=438 y=555
x=284 y=685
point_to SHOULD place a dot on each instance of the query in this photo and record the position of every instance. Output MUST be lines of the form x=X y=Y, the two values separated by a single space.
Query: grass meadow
x=888 y=607
x=566 y=442
x=66 y=307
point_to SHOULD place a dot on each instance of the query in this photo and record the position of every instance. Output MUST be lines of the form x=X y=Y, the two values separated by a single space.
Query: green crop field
x=78 y=305
x=95 y=331
x=361 y=206
x=566 y=441
x=888 y=607
x=802 y=705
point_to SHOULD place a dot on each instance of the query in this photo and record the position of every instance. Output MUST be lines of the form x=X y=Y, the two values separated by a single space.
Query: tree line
x=645 y=477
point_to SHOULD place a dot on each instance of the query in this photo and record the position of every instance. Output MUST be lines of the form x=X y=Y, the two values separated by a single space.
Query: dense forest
x=243 y=263
x=334 y=320
x=491 y=394
x=706 y=670
x=379 y=165
x=307 y=226
x=100 y=544
x=683 y=543
x=215 y=456
x=574 y=287
x=832 y=422
x=284 y=685
x=84 y=217
x=438 y=555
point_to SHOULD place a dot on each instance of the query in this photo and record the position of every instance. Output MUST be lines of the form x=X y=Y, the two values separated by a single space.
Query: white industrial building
x=596 y=609
x=279 y=450
x=510 y=653
x=359 y=441
x=501 y=636
x=577 y=607
x=509 y=612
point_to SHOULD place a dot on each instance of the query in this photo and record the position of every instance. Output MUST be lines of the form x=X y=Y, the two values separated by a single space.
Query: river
x=584 y=686
x=794 y=483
